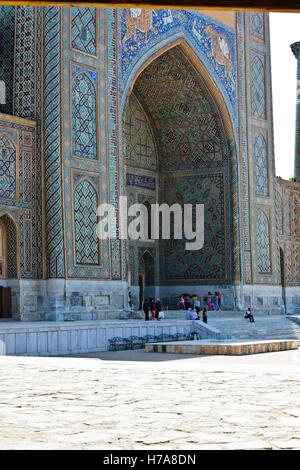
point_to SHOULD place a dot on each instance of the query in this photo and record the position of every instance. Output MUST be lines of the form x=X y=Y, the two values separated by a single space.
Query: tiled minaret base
x=296 y=51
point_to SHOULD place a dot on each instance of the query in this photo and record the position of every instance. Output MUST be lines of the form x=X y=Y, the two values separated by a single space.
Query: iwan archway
x=180 y=148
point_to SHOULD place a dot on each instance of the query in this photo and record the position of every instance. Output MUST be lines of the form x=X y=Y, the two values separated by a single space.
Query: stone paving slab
x=138 y=400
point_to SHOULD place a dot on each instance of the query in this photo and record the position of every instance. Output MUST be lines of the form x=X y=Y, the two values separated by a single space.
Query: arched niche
x=197 y=161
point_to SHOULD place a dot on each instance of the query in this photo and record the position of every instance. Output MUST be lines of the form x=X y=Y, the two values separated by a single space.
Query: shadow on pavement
x=138 y=355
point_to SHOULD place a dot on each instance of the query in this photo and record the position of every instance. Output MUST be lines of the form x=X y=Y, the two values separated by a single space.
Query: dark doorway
x=141 y=286
x=146 y=271
x=5 y=302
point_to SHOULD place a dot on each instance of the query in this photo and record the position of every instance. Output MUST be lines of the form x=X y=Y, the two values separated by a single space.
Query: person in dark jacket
x=158 y=308
x=146 y=309
x=249 y=315
x=152 y=309
x=204 y=315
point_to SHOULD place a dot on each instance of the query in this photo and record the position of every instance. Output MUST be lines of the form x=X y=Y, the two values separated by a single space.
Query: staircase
x=265 y=327
x=230 y=322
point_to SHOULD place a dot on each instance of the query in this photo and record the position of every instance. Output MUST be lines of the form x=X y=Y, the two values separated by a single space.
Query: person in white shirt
x=197 y=305
x=194 y=315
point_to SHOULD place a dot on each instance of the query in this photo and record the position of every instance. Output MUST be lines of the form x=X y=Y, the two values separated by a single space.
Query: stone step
x=180 y=314
x=268 y=327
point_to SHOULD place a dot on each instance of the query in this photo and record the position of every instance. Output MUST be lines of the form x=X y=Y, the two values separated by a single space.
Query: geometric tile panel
x=258 y=85
x=83 y=35
x=24 y=80
x=210 y=261
x=263 y=243
x=278 y=204
x=288 y=252
x=257 y=25
x=138 y=137
x=27 y=175
x=261 y=166
x=12 y=271
x=52 y=143
x=7 y=43
x=84 y=117
x=27 y=228
x=287 y=213
x=7 y=168
x=295 y=215
x=85 y=224
x=297 y=262
x=20 y=189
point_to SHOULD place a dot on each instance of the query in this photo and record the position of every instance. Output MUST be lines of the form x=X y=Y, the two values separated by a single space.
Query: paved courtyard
x=136 y=400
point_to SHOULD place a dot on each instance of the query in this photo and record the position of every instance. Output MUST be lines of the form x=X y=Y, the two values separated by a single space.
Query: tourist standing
x=152 y=310
x=197 y=305
x=187 y=301
x=204 y=315
x=219 y=300
x=158 y=308
x=146 y=309
x=208 y=300
x=216 y=301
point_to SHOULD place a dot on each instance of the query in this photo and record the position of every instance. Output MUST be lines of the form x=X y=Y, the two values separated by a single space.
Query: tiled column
x=296 y=51
x=52 y=160
x=52 y=142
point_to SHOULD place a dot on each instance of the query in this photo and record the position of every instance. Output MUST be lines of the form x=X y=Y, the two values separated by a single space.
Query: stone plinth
x=230 y=348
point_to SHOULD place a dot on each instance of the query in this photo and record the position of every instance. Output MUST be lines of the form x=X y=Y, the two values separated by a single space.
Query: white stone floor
x=136 y=400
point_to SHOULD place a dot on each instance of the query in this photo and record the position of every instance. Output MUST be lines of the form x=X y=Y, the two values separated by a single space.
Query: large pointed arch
x=214 y=95
x=199 y=65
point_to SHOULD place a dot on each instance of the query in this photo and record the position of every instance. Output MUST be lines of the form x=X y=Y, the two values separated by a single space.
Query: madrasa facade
x=162 y=106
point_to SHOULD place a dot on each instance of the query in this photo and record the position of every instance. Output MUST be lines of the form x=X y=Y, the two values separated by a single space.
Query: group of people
x=213 y=301
x=153 y=309
x=187 y=301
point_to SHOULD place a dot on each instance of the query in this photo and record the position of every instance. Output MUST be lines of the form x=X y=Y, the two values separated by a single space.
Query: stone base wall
x=59 y=299
x=54 y=339
x=292 y=296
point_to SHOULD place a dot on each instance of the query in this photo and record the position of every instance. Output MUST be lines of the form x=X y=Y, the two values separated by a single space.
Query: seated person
x=161 y=315
x=249 y=315
x=188 y=314
x=194 y=315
